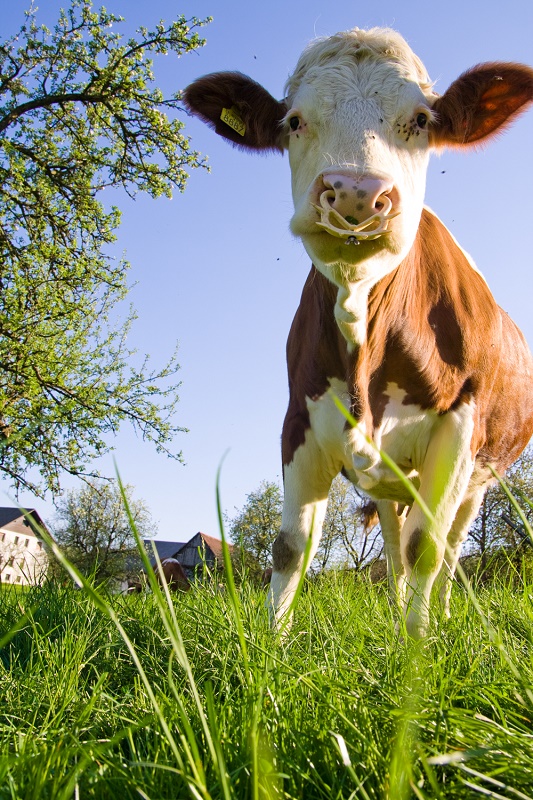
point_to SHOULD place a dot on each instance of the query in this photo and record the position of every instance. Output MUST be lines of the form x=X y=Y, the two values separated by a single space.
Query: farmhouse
x=23 y=559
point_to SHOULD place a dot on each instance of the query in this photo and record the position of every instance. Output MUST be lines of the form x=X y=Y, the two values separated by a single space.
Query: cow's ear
x=239 y=109
x=481 y=103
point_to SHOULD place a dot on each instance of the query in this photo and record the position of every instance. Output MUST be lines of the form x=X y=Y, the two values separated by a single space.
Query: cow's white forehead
x=341 y=51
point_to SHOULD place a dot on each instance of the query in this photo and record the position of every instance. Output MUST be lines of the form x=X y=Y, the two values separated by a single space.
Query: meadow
x=147 y=696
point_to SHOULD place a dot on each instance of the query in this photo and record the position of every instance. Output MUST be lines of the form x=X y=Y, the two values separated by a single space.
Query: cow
x=395 y=320
x=174 y=575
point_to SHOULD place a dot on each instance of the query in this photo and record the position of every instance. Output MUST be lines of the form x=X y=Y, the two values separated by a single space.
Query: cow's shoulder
x=316 y=350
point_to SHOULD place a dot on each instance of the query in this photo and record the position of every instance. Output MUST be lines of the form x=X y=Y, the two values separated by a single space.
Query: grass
x=126 y=697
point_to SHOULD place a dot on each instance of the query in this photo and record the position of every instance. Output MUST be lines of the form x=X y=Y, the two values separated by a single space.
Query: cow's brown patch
x=284 y=556
x=412 y=551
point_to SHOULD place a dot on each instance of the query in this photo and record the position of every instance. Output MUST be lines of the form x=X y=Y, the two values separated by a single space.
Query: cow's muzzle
x=354 y=207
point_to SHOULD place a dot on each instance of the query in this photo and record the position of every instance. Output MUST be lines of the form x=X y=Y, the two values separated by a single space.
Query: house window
x=10 y=561
x=18 y=579
x=7 y=577
x=39 y=545
x=22 y=563
x=2 y=536
x=26 y=543
x=16 y=539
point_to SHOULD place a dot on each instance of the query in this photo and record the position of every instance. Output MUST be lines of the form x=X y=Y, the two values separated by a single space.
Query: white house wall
x=23 y=560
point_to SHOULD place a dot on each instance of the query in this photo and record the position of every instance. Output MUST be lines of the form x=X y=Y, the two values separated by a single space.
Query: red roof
x=215 y=545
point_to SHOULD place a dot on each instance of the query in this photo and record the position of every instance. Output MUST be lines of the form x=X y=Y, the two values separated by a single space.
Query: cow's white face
x=358 y=118
x=357 y=130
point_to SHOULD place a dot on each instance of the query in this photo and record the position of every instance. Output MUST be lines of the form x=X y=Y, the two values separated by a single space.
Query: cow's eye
x=294 y=123
x=422 y=120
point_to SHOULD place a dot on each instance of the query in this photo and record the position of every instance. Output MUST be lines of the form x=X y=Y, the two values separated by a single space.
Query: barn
x=199 y=552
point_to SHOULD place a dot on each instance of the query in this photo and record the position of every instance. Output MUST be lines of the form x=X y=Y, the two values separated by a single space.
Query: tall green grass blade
x=347 y=763
x=493 y=782
x=212 y=716
x=230 y=580
x=18 y=625
x=169 y=619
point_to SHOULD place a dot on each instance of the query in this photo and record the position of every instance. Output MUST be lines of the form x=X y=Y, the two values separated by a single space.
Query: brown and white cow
x=174 y=575
x=394 y=317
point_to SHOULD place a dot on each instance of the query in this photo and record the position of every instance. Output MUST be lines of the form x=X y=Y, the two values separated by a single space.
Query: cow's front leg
x=392 y=519
x=307 y=480
x=444 y=479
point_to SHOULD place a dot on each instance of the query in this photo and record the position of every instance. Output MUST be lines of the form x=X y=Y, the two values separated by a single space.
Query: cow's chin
x=331 y=254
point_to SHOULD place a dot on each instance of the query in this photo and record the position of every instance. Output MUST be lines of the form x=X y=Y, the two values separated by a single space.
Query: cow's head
x=359 y=120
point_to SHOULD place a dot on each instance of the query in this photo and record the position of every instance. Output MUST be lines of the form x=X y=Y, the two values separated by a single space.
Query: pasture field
x=128 y=697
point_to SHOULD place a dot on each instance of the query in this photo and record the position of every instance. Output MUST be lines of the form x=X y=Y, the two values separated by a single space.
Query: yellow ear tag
x=232 y=118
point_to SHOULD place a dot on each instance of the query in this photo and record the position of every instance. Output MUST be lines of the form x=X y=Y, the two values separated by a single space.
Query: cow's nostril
x=382 y=201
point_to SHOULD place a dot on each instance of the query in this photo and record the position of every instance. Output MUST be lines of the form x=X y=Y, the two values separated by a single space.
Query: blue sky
x=216 y=268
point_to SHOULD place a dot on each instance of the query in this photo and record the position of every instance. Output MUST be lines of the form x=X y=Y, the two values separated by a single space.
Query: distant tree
x=93 y=529
x=347 y=540
x=255 y=527
x=79 y=113
x=498 y=524
x=351 y=536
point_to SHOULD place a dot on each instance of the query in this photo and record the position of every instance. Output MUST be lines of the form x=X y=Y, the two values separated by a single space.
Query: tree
x=498 y=524
x=347 y=537
x=255 y=527
x=93 y=529
x=79 y=113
